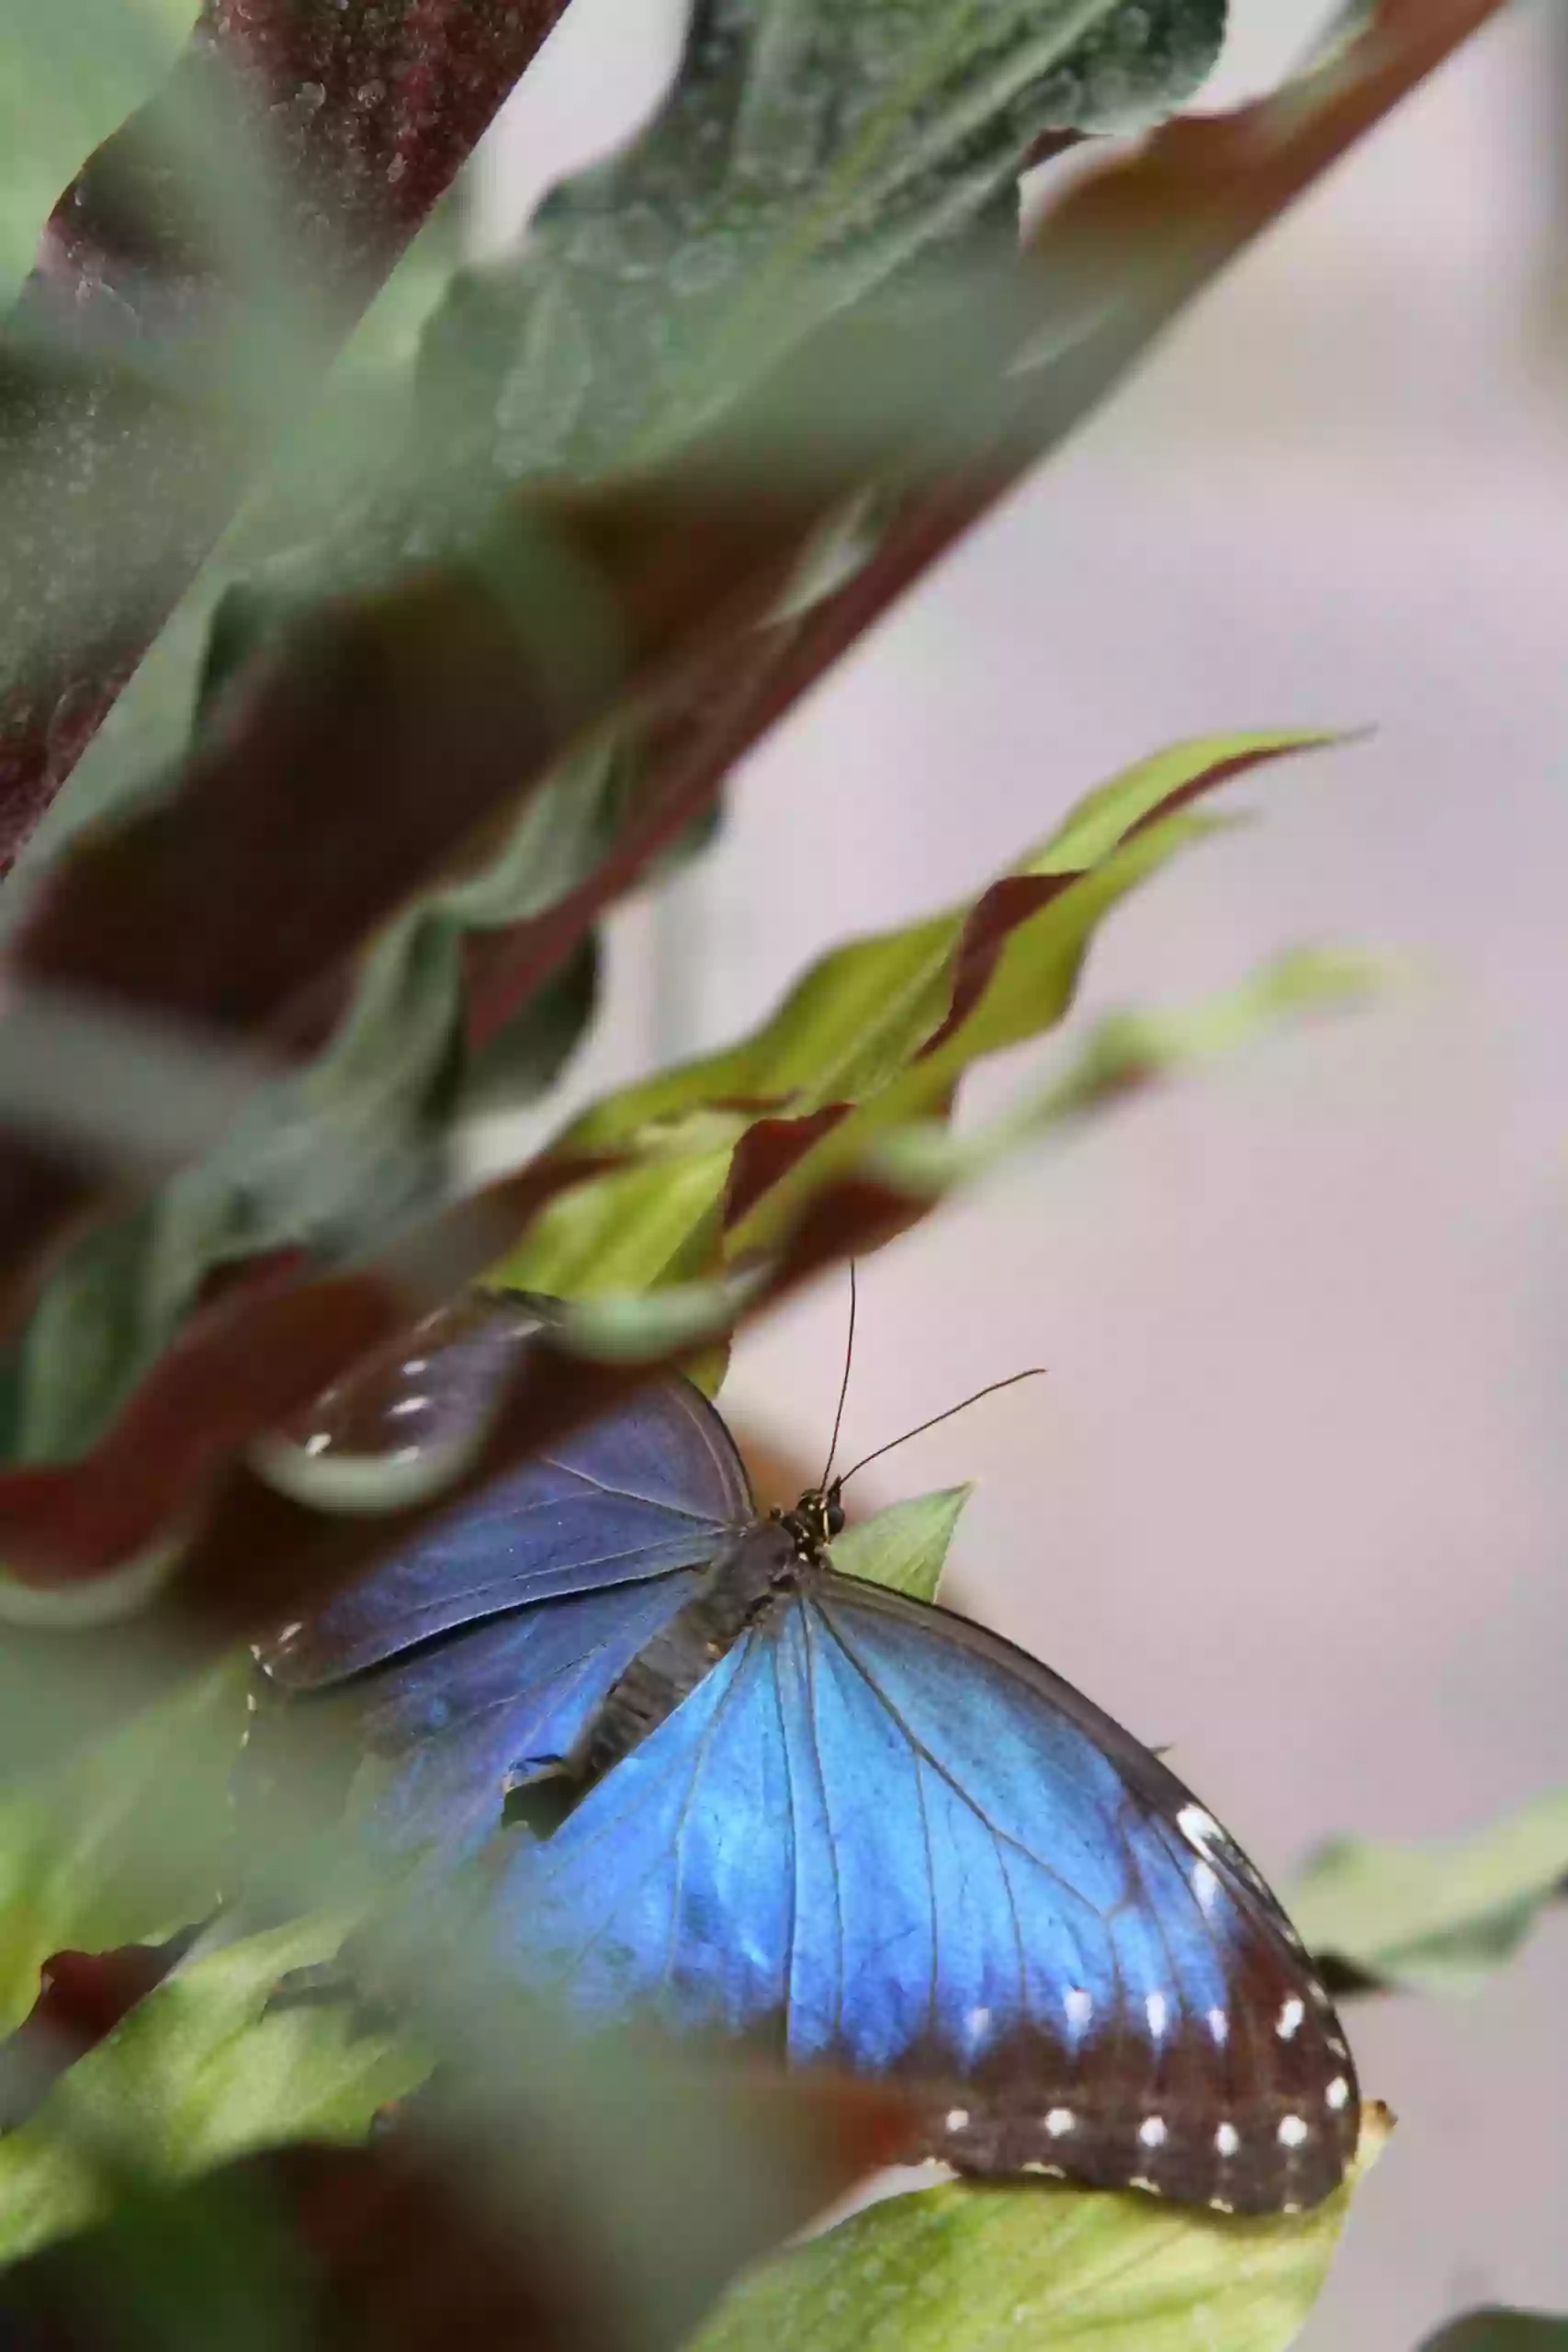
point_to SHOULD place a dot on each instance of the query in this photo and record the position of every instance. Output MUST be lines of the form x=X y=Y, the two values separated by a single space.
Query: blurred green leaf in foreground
x=1436 y=1918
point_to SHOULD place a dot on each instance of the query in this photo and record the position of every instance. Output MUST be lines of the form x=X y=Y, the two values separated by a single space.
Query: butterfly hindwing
x=1205 y=2059
x=877 y=1838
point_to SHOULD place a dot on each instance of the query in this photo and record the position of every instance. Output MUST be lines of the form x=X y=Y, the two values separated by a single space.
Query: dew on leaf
x=702 y=267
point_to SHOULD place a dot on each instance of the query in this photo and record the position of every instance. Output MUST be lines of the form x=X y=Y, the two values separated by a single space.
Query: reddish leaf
x=769 y=1150
x=360 y=756
x=250 y=1360
x=992 y=924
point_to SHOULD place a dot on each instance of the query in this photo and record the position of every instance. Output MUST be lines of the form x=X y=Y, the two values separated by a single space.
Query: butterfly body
x=842 y=1827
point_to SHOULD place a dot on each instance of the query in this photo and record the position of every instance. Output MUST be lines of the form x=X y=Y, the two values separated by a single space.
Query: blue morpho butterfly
x=812 y=1813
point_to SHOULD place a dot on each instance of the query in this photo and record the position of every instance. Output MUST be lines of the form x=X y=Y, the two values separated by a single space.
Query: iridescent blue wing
x=470 y=1663
x=653 y=1487
x=878 y=1838
x=452 y=1728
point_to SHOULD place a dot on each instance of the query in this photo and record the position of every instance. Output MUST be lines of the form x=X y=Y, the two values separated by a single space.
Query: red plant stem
x=120 y=479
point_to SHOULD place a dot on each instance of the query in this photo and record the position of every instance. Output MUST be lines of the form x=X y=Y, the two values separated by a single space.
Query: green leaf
x=1501 y=2331
x=905 y=1547
x=125 y=1842
x=1127 y=1053
x=858 y=1017
x=1436 y=1918
x=332 y=1158
x=200 y=2071
x=873 y=1038
x=921 y=1163
x=67 y=80
x=1005 y=2270
x=808 y=153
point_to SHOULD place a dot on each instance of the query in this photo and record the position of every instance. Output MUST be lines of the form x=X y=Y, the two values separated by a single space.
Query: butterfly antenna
x=1035 y=1372
x=843 y=1385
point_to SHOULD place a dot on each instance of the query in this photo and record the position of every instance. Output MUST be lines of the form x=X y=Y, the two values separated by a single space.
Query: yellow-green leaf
x=922 y=1158
x=905 y=1547
x=1129 y=1051
x=1031 y=2269
x=879 y=1031
x=200 y=2071
x=125 y=1841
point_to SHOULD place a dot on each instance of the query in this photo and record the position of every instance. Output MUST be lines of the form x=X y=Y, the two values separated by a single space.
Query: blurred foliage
x=1439 y=1917
x=726 y=1153
x=813 y=163
x=802 y=159
x=202 y=2070
x=77 y=1869
x=68 y=79
x=795 y=157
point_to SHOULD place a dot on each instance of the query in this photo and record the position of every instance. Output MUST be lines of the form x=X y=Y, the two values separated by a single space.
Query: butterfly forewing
x=653 y=1487
x=472 y=1662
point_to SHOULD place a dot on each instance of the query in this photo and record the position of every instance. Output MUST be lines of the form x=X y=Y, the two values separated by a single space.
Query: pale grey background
x=1293 y=1497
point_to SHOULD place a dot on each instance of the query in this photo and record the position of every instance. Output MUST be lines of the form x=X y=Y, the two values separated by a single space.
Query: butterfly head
x=816 y=1518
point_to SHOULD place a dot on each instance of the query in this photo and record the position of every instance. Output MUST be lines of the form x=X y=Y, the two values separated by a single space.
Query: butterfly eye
x=833 y=1515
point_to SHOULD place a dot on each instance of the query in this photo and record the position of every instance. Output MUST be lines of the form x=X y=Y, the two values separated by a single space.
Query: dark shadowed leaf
x=1496 y=2330
x=216 y=2262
